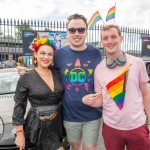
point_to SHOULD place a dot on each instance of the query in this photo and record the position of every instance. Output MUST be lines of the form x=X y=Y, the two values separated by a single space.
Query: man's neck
x=81 y=48
x=114 y=55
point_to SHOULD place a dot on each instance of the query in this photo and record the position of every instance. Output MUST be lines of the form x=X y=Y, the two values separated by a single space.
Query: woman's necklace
x=42 y=74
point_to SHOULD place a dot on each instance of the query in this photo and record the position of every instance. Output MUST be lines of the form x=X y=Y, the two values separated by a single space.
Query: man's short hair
x=10 y=55
x=107 y=27
x=77 y=16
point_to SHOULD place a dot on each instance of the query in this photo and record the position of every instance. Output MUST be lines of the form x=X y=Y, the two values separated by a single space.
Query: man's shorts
x=87 y=131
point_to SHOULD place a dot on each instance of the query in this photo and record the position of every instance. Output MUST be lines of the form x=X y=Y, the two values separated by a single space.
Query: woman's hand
x=20 y=141
x=21 y=70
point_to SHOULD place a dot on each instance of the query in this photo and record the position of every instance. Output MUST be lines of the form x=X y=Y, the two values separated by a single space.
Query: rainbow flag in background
x=111 y=13
x=96 y=17
x=117 y=87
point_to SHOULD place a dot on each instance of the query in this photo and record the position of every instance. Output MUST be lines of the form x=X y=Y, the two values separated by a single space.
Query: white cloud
x=26 y=9
x=130 y=13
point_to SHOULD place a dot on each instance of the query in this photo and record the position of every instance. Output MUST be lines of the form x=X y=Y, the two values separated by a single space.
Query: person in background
x=43 y=88
x=10 y=63
x=123 y=82
x=21 y=61
x=76 y=63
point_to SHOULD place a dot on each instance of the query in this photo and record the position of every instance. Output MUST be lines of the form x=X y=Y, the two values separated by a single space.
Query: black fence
x=11 y=36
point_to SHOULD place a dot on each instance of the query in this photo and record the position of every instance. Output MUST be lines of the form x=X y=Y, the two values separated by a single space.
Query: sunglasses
x=80 y=30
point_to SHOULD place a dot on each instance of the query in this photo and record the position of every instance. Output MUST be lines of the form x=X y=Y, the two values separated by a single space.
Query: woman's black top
x=31 y=87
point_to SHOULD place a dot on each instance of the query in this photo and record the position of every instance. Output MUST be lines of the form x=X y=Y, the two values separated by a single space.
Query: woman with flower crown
x=43 y=88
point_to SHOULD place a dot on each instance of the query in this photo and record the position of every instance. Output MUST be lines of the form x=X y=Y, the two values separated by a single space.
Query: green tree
x=10 y=37
x=47 y=29
x=20 y=28
x=1 y=34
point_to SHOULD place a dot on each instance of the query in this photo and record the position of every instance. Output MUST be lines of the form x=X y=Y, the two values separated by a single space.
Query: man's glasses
x=80 y=30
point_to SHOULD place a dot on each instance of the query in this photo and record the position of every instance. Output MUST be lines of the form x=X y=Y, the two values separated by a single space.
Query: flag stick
x=115 y=13
x=103 y=21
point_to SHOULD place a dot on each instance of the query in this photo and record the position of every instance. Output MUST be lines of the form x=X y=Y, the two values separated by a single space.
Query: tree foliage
x=1 y=34
x=47 y=29
x=20 y=28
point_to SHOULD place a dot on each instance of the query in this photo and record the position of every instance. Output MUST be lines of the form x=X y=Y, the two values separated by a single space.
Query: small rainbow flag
x=116 y=88
x=111 y=13
x=96 y=17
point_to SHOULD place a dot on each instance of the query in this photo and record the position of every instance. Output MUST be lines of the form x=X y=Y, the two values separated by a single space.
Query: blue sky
x=129 y=13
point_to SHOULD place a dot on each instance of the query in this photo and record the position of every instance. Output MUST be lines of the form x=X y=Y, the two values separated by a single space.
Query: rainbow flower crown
x=42 y=41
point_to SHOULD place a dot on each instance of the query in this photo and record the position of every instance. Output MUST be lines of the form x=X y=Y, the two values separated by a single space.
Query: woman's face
x=44 y=55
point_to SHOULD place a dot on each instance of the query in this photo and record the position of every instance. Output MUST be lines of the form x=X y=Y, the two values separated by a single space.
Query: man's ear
x=67 y=33
x=86 y=32
x=121 y=39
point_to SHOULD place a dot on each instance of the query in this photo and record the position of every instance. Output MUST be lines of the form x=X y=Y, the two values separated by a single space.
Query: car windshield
x=8 y=81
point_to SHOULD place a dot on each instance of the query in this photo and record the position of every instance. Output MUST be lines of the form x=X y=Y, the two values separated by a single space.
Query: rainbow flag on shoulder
x=117 y=87
x=95 y=17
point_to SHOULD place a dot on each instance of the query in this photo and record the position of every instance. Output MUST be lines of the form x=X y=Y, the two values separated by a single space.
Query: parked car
x=1 y=65
x=8 y=82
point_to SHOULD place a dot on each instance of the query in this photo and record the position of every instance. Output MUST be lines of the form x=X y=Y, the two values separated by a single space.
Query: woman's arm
x=20 y=99
x=20 y=139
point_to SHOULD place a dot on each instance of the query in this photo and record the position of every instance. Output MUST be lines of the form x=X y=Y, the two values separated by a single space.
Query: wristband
x=18 y=131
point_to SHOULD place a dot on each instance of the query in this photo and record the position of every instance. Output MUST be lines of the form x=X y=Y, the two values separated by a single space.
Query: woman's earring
x=52 y=64
x=35 y=61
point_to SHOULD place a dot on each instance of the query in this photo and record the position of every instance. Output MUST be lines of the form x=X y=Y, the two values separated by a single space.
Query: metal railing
x=11 y=36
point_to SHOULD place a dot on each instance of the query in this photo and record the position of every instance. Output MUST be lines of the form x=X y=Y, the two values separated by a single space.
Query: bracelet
x=18 y=131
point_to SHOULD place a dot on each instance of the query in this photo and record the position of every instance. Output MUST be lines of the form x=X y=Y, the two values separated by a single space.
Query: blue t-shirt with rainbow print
x=77 y=74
